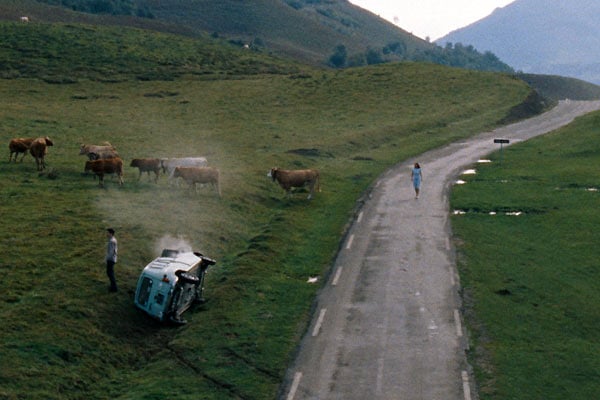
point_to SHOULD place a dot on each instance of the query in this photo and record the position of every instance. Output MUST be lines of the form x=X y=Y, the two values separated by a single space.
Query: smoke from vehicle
x=171 y=242
x=158 y=217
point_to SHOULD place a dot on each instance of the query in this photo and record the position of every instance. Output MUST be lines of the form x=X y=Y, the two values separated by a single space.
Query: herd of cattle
x=104 y=160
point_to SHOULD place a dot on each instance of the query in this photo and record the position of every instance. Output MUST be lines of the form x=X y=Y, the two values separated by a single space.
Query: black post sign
x=502 y=143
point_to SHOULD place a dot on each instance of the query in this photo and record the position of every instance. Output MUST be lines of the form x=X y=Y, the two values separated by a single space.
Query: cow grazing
x=147 y=165
x=288 y=179
x=169 y=164
x=24 y=19
x=19 y=145
x=201 y=175
x=107 y=166
x=39 y=149
x=97 y=152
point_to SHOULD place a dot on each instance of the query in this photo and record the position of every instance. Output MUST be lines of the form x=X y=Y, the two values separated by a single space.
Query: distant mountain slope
x=307 y=30
x=554 y=37
x=318 y=32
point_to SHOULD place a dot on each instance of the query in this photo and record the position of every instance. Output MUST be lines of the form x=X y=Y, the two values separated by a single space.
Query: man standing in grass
x=111 y=258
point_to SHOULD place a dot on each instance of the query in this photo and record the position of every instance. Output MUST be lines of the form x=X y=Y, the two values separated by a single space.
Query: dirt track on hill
x=387 y=324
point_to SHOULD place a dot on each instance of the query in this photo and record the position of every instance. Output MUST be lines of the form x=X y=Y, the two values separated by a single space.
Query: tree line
x=454 y=55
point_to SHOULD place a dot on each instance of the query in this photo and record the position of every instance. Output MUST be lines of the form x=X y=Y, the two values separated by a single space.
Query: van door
x=144 y=291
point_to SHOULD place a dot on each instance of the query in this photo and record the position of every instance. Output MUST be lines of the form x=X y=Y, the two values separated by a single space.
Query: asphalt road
x=387 y=324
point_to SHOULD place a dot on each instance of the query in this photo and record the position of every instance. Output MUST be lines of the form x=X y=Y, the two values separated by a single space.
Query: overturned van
x=170 y=284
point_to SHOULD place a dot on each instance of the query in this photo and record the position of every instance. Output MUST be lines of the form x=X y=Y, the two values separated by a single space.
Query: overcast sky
x=431 y=18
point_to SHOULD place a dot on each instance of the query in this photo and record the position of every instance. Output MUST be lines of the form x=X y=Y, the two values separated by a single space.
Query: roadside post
x=502 y=142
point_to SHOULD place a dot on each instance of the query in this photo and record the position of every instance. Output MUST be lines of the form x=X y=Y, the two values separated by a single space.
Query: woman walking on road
x=416 y=177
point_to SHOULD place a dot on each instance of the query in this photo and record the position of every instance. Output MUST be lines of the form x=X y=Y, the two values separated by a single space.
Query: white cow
x=169 y=164
x=24 y=19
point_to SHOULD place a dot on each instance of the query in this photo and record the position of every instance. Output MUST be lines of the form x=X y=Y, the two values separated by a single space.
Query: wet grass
x=65 y=337
x=532 y=283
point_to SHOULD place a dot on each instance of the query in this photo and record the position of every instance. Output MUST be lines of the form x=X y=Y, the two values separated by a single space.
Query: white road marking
x=381 y=360
x=336 y=278
x=466 y=387
x=360 y=215
x=317 y=328
x=432 y=326
x=349 y=244
x=459 y=332
x=295 y=384
x=379 y=384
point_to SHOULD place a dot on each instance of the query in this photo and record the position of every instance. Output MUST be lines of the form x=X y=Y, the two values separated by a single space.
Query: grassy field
x=64 y=336
x=532 y=282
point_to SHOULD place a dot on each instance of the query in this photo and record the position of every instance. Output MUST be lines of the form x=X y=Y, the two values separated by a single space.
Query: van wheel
x=189 y=278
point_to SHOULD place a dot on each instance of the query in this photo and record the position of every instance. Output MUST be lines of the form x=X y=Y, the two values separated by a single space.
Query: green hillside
x=560 y=87
x=305 y=30
x=309 y=31
x=64 y=336
x=64 y=53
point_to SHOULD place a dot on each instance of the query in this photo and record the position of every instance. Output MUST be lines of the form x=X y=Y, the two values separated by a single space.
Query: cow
x=24 y=19
x=19 y=145
x=39 y=149
x=97 y=152
x=107 y=166
x=201 y=175
x=147 y=165
x=103 y=155
x=169 y=164
x=288 y=179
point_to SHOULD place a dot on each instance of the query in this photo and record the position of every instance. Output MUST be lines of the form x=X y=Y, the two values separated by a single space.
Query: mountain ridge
x=562 y=40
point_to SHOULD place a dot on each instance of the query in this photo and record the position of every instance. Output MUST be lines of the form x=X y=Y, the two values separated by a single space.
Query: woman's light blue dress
x=416 y=176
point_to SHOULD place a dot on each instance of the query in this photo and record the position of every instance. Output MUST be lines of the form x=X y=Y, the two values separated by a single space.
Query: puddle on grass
x=587 y=189
x=466 y=172
x=492 y=213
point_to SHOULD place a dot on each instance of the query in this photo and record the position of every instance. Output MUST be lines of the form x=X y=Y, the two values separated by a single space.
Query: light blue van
x=170 y=284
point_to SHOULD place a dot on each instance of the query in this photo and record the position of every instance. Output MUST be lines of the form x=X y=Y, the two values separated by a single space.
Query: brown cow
x=147 y=165
x=202 y=175
x=108 y=166
x=19 y=145
x=39 y=149
x=288 y=179
x=97 y=152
